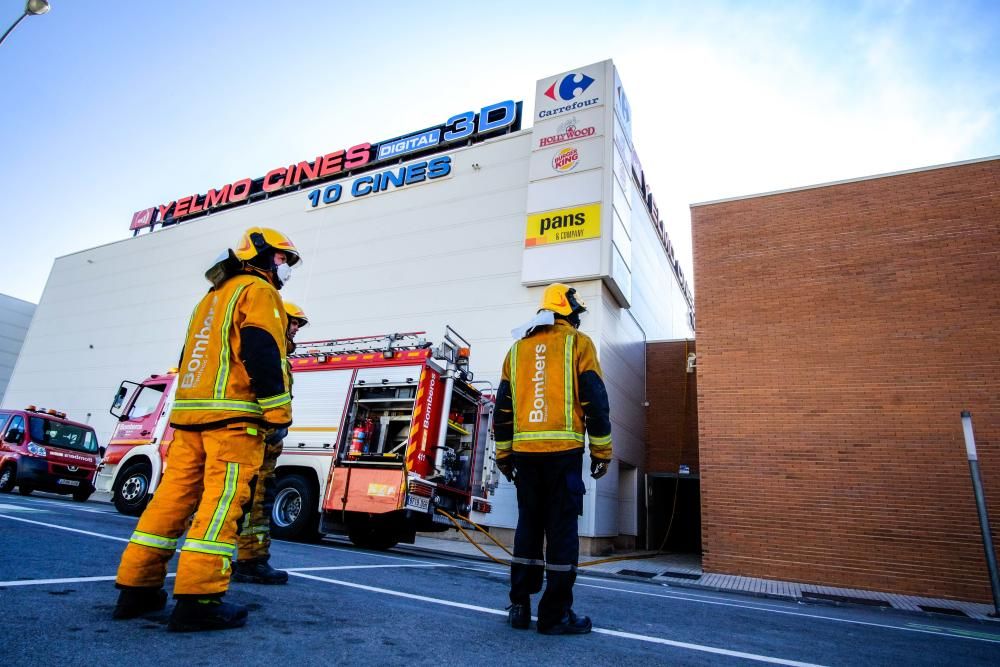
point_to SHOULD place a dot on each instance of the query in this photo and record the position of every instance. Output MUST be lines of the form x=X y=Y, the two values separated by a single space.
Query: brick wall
x=841 y=331
x=672 y=414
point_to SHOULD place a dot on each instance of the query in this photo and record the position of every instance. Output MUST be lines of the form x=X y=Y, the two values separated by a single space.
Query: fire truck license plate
x=418 y=503
x=69 y=482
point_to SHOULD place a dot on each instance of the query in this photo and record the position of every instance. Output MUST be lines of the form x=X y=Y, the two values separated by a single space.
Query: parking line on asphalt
x=684 y=596
x=84 y=580
x=772 y=610
x=615 y=633
x=125 y=539
x=19 y=508
x=43 y=582
x=76 y=508
x=67 y=580
x=72 y=530
x=689 y=597
x=334 y=547
x=358 y=567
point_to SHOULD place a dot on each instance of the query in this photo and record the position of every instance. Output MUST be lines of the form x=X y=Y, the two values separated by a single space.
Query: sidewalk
x=684 y=571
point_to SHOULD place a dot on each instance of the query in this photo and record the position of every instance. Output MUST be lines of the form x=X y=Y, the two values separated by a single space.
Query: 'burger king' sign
x=565 y=159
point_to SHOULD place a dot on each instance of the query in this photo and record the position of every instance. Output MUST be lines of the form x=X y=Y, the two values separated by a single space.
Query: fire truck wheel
x=24 y=490
x=8 y=478
x=293 y=516
x=131 y=489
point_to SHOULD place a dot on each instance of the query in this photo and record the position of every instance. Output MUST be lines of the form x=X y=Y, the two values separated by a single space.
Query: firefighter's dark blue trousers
x=549 y=499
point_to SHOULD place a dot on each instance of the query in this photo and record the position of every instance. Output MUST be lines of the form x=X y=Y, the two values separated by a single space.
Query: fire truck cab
x=387 y=431
x=134 y=461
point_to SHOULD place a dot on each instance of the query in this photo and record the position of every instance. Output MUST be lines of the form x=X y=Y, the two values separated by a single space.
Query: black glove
x=506 y=468
x=277 y=435
x=598 y=467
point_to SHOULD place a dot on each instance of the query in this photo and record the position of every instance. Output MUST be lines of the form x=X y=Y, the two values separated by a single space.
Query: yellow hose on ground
x=486 y=533
x=469 y=537
x=612 y=559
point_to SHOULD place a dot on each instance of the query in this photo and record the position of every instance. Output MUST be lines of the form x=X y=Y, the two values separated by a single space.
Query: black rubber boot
x=519 y=616
x=571 y=624
x=134 y=602
x=258 y=571
x=197 y=614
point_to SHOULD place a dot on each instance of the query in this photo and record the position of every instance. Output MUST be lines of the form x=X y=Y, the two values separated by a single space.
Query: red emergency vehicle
x=43 y=450
x=388 y=429
x=134 y=461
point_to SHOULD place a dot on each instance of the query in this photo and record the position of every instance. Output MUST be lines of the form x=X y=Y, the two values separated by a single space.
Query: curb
x=686 y=584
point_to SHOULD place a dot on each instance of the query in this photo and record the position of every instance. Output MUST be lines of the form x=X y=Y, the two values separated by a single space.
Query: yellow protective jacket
x=550 y=392
x=233 y=367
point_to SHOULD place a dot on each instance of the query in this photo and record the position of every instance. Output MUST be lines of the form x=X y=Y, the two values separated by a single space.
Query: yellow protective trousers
x=208 y=474
x=254 y=540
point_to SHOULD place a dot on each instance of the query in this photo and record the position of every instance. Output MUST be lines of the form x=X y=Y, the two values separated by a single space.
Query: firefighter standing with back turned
x=253 y=545
x=233 y=384
x=550 y=392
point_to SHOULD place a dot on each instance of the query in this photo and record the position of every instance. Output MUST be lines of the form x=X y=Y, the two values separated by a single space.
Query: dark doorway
x=673 y=503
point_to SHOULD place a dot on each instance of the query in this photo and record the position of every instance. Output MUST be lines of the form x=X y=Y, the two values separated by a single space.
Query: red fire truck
x=388 y=430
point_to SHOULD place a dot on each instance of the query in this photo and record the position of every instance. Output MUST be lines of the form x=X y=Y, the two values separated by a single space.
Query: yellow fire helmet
x=294 y=311
x=561 y=300
x=258 y=239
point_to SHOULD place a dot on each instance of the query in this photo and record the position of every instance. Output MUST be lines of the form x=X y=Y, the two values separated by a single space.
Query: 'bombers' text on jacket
x=550 y=391
x=233 y=367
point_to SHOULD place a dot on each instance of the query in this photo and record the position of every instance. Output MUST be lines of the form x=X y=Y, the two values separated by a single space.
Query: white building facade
x=15 y=316
x=458 y=225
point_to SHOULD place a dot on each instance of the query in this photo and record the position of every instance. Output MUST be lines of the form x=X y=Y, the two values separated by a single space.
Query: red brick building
x=841 y=331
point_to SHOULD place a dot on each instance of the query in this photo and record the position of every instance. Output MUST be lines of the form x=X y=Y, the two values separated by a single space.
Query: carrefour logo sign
x=570 y=86
x=570 y=92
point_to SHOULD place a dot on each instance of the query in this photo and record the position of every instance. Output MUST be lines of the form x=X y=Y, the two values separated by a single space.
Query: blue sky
x=110 y=107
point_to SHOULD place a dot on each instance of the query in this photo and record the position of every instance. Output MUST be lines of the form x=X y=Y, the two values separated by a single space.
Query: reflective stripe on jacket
x=234 y=363
x=551 y=391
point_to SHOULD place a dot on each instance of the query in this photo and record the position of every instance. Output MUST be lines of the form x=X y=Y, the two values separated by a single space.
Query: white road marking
x=357 y=567
x=772 y=610
x=614 y=633
x=83 y=580
x=43 y=582
x=77 y=508
x=351 y=550
x=19 y=508
x=685 y=597
x=68 y=580
x=72 y=530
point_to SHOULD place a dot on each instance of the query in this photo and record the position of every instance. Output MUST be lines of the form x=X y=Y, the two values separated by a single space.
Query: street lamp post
x=32 y=8
x=984 y=519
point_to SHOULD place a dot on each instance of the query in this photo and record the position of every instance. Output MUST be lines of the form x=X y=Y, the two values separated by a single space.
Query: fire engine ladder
x=385 y=344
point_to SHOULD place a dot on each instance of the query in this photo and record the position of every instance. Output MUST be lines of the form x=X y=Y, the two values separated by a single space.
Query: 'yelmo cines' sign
x=565 y=224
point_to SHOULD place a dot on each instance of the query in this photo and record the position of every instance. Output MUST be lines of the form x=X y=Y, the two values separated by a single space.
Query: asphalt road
x=349 y=606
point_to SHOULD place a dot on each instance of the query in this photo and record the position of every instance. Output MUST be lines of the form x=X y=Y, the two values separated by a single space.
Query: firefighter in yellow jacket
x=550 y=393
x=254 y=542
x=232 y=385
